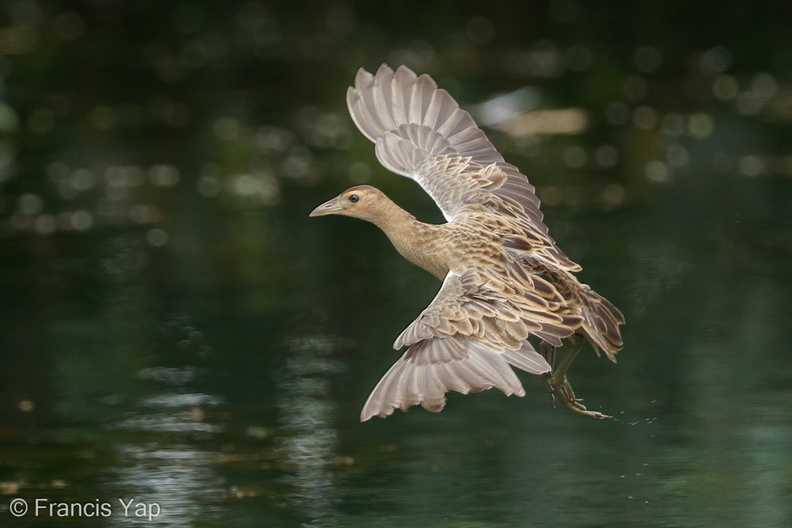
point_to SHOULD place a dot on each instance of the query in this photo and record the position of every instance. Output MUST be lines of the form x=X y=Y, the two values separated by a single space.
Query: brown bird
x=504 y=278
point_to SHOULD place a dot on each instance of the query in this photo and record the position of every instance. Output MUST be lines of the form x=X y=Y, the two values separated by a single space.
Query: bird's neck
x=416 y=241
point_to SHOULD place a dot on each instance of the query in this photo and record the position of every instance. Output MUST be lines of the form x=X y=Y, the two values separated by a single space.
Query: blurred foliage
x=113 y=108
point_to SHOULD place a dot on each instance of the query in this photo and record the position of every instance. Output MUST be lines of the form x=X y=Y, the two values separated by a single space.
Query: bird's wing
x=420 y=132
x=467 y=337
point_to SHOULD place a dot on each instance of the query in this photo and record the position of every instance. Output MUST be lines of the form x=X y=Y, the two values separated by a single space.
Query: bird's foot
x=562 y=390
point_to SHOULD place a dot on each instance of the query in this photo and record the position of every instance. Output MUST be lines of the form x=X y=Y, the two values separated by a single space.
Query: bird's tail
x=601 y=320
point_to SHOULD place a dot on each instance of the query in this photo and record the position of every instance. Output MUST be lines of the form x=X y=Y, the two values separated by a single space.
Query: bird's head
x=363 y=201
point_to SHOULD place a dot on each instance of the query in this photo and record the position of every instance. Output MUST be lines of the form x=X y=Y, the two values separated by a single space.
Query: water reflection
x=309 y=445
x=175 y=484
x=170 y=470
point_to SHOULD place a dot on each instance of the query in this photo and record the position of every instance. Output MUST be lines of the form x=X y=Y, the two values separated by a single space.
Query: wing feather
x=467 y=340
x=431 y=368
x=402 y=104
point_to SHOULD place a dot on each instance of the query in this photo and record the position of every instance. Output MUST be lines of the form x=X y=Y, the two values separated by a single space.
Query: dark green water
x=175 y=330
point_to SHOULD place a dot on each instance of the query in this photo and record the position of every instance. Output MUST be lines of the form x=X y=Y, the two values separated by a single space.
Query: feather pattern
x=504 y=277
x=392 y=109
x=431 y=368
x=420 y=132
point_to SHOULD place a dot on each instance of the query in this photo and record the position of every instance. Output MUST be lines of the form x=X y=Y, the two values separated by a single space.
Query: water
x=176 y=332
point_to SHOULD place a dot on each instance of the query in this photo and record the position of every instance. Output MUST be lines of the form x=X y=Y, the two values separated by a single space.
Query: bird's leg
x=556 y=380
x=548 y=351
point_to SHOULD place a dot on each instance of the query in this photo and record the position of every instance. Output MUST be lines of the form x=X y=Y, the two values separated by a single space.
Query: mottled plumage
x=504 y=278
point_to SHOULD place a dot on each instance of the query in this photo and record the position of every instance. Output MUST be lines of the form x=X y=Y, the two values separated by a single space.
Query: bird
x=504 y=279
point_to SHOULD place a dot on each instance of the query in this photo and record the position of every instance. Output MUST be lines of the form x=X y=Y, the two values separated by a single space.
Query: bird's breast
x=455 y=246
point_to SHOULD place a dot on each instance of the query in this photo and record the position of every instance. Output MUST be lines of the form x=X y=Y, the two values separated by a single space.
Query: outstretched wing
x=420 y=132
x=430 y=368
x=466 y=340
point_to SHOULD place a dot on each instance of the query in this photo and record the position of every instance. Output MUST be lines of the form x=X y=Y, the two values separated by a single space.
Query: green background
x=173 y=327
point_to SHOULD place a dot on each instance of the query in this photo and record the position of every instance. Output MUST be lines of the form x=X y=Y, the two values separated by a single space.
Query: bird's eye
x=354 y=198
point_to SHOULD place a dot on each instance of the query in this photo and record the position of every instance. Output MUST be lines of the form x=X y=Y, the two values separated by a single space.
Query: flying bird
x=504 y=277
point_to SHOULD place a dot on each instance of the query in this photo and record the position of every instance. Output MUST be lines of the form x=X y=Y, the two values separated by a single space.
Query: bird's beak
x=327 y=208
